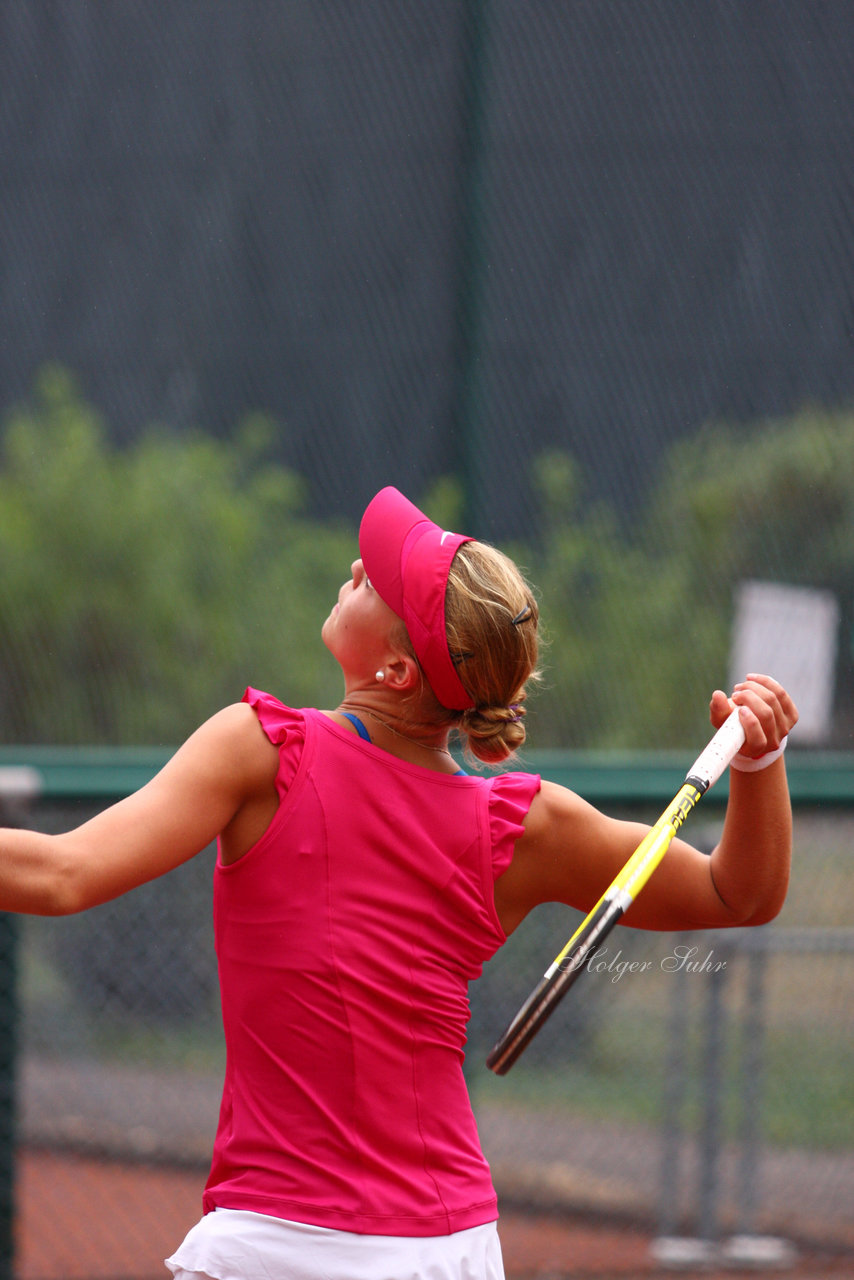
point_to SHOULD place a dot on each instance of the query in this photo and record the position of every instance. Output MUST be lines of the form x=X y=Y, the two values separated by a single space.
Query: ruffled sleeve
x=509 y=801
x=285 y=727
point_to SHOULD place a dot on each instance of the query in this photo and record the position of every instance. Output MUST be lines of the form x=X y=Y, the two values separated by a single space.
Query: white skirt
x=234 y=1244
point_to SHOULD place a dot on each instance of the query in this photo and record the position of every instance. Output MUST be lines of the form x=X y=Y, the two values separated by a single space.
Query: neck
x=425 y=737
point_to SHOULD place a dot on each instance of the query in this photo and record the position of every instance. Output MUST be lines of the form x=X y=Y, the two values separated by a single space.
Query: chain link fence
x=581 y=274
x=432 y=237
x=696 y=1084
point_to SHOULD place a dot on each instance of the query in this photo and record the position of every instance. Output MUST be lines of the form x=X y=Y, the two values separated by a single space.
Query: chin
x=327 y=635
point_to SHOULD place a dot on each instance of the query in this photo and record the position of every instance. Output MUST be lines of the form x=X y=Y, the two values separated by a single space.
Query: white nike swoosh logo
x=443 y=537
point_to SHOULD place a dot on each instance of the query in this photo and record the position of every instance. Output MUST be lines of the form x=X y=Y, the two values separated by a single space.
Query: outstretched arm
x=221 y=780
x=570 y=852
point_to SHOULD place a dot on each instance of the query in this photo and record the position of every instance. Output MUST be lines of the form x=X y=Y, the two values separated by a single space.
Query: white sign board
x=790 y=633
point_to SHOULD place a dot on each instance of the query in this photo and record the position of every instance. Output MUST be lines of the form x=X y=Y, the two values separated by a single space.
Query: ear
x=402 y=672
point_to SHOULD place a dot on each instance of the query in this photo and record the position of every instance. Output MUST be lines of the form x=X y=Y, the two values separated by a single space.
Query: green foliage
x=140 y=589
x=775 y=500
x=640 y=620
x=621 y=650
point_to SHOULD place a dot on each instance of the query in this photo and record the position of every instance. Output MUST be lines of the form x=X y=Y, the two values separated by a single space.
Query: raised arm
x=222 y=780
x=570 y=852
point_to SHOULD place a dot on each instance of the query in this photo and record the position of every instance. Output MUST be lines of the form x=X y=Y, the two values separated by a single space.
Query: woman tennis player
x=362 y=880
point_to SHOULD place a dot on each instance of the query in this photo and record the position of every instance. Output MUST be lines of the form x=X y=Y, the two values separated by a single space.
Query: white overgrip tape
x=718 y=754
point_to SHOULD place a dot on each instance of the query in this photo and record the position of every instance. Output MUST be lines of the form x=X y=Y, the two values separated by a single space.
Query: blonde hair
x=491 y=621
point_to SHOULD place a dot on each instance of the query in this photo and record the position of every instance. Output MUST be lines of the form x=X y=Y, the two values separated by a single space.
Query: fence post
x=673 y=1101
x=752 y=1055
x=711 y=1138
x=467 y=395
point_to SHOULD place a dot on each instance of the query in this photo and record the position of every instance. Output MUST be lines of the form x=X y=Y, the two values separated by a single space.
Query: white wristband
x=745 y=765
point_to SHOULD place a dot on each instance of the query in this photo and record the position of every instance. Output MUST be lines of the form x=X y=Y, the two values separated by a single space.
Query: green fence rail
x=603 y=777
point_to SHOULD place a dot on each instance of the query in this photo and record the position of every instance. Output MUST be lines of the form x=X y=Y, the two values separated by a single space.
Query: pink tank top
x=346 y=939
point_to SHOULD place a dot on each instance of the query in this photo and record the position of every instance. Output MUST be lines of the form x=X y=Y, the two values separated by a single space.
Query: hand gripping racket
x=617 y=898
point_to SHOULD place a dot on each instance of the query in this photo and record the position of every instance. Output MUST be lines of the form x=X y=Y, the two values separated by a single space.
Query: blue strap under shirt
x=363 y=733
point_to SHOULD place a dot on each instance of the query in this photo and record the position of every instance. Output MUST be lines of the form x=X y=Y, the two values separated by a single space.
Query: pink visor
x=407 y=558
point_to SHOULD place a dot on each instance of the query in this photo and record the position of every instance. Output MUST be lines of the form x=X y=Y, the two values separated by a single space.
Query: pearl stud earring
x=380 y=676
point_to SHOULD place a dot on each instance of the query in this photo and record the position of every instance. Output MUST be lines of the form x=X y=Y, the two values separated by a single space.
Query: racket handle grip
x=717 y=754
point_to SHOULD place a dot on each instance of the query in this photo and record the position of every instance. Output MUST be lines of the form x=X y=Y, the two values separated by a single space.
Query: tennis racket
x=617 y=898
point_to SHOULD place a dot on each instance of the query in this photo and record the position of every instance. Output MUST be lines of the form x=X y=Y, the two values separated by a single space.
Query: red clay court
x=55 y=1191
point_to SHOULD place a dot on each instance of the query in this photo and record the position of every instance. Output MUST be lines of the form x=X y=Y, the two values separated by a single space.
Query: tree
x=639 y=619
x=142 y=589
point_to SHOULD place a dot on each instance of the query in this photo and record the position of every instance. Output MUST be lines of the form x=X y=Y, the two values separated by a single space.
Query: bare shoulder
x=233 y=740
x=552 y=826
x=568 y=853
x=240 y=720
x=220 y=782
x=557 y=815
